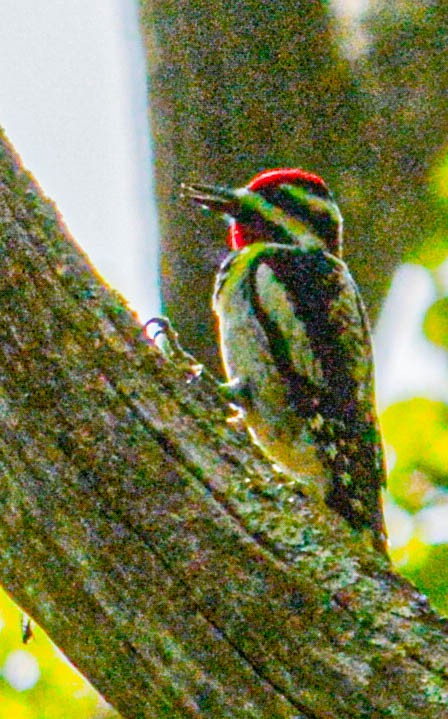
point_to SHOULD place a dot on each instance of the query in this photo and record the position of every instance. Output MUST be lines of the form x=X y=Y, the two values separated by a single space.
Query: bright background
x=73 y=103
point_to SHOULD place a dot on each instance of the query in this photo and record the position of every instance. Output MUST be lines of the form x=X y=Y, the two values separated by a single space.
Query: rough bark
x=166 y=558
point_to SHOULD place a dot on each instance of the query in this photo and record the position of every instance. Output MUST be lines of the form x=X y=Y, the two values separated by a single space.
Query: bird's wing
x=319 y=336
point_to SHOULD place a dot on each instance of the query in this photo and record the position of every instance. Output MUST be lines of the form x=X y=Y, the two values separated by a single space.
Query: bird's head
x=280 y=205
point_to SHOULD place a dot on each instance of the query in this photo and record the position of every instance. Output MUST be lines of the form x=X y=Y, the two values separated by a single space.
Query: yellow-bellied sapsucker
x=295 y=339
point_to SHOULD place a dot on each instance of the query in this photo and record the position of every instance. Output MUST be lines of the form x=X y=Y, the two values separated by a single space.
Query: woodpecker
x=295 y=340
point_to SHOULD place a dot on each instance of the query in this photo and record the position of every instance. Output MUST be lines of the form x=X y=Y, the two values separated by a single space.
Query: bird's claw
x=166 y=339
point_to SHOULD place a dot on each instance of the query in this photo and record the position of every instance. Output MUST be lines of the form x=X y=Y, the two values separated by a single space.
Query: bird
x=295 y=340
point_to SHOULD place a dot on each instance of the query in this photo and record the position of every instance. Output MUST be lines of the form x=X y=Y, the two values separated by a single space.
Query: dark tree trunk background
x=239 y=87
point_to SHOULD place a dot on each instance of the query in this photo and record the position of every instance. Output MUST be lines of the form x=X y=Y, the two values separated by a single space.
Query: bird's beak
x=222 y=200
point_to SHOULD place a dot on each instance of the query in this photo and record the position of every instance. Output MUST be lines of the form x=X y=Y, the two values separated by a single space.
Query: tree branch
x=151 y=541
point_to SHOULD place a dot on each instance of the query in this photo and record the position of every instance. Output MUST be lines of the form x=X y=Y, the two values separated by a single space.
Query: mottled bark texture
x=151 y=541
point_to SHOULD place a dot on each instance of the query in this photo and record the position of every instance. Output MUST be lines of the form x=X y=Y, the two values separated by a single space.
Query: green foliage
x=433 y=249
x=436 y=323
x=416 y=431
x=36 y=680
x=429 y=571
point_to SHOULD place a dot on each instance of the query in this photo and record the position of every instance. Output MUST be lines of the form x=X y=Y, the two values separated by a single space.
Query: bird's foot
x=160 y=333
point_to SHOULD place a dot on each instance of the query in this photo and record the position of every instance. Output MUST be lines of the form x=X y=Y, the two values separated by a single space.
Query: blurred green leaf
x=417 y=430
x=433 y=250
x=431 y=574
x=439 y=178
x=435 y=324
x=59 y=692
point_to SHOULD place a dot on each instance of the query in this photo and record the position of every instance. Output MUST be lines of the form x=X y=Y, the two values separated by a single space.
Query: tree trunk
x=164 y=556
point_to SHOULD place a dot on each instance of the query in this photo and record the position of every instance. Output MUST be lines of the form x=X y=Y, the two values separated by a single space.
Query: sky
x=73 y=103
